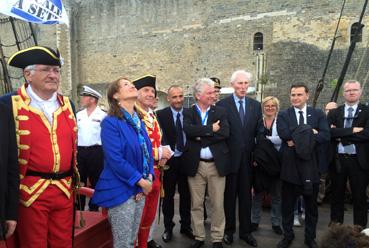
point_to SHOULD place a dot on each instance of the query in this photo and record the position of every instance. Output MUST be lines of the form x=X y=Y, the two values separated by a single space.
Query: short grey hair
x=30 y=68
x=248 y=75
x=198 y=87
x=352 y=81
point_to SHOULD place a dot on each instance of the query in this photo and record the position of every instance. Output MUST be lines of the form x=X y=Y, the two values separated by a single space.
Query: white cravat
x=48 y=107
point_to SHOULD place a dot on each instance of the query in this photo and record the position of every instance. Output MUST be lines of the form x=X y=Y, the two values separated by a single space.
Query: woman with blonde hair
x=128 y=164
x=271 y=184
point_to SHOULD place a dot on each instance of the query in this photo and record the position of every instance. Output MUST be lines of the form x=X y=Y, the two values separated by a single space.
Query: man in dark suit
x=300 y=169
x=9 y=174
x=350 y=132
x=244 y=117
x=206 y=157
x=171 y=123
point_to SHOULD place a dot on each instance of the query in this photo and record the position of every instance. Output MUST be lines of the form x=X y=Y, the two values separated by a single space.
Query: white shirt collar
x=48 y=107
x=352 y=106
x=297 y=110
x=303 y=110
x=35 y=97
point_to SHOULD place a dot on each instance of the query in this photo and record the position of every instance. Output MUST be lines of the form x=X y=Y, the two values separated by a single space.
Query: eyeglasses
x=270 y=106
x=48 y=70
x=352 y=90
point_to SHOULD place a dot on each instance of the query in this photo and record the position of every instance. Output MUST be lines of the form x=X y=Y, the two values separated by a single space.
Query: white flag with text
x=36 y=11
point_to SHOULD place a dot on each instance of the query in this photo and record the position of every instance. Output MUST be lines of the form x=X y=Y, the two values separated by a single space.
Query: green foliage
x=263 y=79
x=333 y=83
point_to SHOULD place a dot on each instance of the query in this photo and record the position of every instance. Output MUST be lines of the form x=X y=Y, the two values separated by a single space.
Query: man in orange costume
x=146 y=97
x=46 y=137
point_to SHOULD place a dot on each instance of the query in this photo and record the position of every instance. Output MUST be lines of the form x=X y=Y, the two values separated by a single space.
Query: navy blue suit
x=241 y=143
x=292 y=185
x=9 y=170
x=286 y=123
x=173 y=176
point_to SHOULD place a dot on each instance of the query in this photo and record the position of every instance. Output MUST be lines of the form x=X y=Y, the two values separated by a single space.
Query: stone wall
x=182 y=40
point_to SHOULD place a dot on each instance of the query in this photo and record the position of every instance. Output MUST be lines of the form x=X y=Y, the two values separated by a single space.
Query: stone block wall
x=183 y=40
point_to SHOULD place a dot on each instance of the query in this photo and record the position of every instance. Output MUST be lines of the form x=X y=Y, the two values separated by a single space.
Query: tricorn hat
x=88 y=91
x=147 y=80
x=216 y=82
x=35 y=55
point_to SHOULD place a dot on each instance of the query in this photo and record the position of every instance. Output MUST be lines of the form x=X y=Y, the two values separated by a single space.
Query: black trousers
x=90 y=164
x=349 y=168
x=290 y=193
x=238 y=185
x=171 y=178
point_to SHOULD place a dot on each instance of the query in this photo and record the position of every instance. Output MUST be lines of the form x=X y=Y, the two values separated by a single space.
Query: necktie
x=241 y=112
x=301 y=117
x=348 y=123
x=179 y=133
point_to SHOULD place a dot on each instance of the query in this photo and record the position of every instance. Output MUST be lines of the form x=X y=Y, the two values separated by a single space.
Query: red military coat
x=44 y=147
x=151 y=202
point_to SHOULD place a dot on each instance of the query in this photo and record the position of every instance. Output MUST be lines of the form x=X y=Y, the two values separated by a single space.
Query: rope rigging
x=363 y=56
x=24 y=37
x=320 y=84
x=349 y=54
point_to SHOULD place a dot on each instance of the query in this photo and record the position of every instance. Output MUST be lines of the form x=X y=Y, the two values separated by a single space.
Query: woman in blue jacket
x=128 y=164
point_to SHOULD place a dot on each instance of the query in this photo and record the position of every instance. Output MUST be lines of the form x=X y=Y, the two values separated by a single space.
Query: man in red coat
x=146 y=97
x=46 y=137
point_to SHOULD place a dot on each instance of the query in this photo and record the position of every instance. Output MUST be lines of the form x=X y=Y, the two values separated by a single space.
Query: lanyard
x=203 y=121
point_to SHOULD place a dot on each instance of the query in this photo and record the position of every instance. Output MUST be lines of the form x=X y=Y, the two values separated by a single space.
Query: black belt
x=345 y=155
x=53 y=176
x=88 y=147
x=208 y=160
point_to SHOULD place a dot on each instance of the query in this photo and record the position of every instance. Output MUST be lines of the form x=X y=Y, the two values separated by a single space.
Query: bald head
x=175 y=97
x=330 y=106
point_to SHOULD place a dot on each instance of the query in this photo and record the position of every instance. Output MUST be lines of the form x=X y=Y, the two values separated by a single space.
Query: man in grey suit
x=244 y=117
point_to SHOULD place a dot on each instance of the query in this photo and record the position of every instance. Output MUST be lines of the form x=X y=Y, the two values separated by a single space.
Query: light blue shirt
x=174 y=113
x=205 y=153
x=236 y=100
x=341 y=149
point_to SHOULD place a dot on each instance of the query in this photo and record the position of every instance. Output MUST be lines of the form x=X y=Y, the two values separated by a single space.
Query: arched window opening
x=356 y=28
x=258 y=41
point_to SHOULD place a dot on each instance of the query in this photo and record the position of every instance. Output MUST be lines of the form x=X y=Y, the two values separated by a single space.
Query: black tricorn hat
x=147 y=80
x=35 y=55
x=216 y=82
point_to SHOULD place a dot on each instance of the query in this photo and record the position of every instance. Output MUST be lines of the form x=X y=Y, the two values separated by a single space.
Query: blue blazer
x=123 y=166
